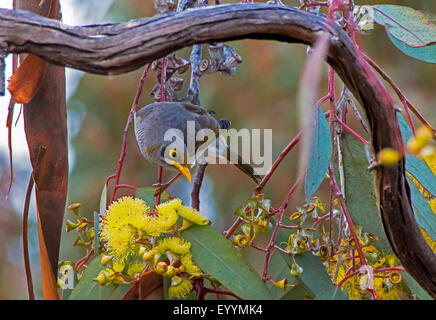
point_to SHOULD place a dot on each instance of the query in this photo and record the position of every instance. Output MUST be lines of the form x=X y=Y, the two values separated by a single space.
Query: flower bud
x=71 y=225
x=280 y=284
x=161 y=267
x=395 y=277
x=75 y=208
x=296 y=269
x=105 y=259
x=240 y=240
x=170 y=272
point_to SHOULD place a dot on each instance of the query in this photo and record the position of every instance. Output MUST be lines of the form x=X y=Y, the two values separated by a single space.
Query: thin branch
x=198 y=180
x=126 y=131
x=276 y=227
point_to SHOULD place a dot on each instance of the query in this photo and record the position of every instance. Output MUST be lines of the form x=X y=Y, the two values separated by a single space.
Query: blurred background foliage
x=262 y=94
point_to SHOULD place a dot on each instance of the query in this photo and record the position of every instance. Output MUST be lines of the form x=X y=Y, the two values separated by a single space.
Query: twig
x=198 y=180
x=354 y=133
x=162 y=99
x=406 y=103
x=276 y=227
x=126 y=131
x=232 y=228
x=348 y=218
x=279 y=159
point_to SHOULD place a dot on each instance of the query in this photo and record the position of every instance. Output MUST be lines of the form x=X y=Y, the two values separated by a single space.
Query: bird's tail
x=220 y=149
x=242 y=165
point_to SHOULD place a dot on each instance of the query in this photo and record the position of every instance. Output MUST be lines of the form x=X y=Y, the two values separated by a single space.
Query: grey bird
x=154 y=121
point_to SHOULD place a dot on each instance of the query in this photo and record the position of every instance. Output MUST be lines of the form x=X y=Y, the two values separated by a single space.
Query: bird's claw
x=159 y=188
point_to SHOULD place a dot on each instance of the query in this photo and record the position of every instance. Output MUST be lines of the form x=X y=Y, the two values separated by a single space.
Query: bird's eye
x=173 y=153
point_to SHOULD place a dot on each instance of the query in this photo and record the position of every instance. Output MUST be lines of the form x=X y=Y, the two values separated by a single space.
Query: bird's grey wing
x=195 y=109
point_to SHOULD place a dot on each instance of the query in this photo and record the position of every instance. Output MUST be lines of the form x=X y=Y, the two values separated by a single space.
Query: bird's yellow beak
x=184 y=169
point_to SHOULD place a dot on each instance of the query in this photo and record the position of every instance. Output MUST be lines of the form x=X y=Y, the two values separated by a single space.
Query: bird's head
x=175 y=155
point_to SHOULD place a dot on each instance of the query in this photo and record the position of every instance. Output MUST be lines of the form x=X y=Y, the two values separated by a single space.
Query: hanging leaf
x=413 y=28
x=45 y=125
x=418 y=168
x=320 y=153
x=427 y=53
x=359 y=191
x=87 y=289
x=307 y=94
x=217 y=256
x=26 y=81
x=423 y=213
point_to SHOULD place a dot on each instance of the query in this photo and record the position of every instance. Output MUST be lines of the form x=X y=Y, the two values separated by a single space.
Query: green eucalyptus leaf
x=217 y=256
x=423 y=213
x=426 y=54
x=416 y=289
x=320 y=153
x=87 y=289
x=412 y=27
x=359 y=191
x=418 y=168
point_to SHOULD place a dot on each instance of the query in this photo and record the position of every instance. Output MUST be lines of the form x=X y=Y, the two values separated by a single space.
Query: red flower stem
x=401 y=96
x=323 y=218
x=347 y=217
x=276 y=227
x=279 y=159
x=282 y=155
x=81 y=262
x=128 y=186
x=389 y=269
x=258 y=248
x=354 y=133
x=162 y=99
x=326 y=97
x=232 y=228
x=126 y=130
x=282 y=250
x=347 y=276
x=288 y=227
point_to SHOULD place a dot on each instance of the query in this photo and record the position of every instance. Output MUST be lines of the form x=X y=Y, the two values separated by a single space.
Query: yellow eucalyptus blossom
x=167 y=214
x=193 y=216
x=135 y=268
x=118 y=265
x=189 y=266
x=124 y=221
x=176 y=245
x=180 y=286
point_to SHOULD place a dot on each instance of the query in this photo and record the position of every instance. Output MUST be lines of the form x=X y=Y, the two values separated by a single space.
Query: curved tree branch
x=123 y=47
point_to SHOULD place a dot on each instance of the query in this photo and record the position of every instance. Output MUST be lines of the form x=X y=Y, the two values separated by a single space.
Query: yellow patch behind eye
x=150 y=149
